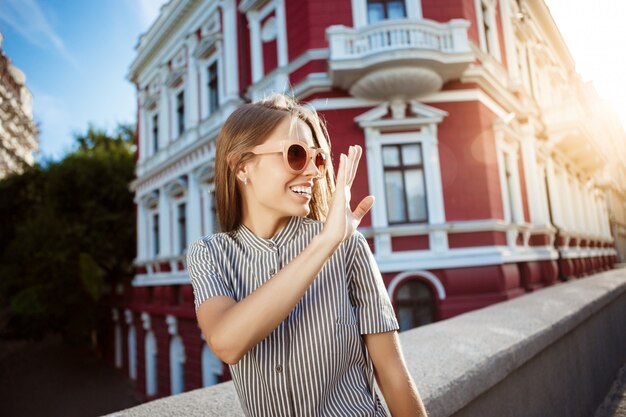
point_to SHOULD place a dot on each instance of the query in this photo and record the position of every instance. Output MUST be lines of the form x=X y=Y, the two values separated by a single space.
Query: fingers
x=348 y=165
x=364 y=206
x=354 y=155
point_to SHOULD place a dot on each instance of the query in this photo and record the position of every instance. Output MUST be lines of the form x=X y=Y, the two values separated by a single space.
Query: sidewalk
x=614 y=404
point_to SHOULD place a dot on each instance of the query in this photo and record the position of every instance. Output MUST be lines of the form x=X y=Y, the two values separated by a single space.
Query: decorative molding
x=147 y=323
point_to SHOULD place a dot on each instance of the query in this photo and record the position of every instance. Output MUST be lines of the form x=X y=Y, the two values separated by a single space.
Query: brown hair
x=250 y=125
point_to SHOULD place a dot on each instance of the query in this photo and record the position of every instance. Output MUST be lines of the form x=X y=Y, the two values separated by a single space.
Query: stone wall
x=554 y=352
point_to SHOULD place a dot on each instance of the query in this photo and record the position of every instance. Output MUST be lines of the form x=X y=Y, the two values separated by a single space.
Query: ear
x=243 y=172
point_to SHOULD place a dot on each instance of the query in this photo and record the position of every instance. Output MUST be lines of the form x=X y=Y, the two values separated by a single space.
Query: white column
x=141 y=231
x=230 y=65
x=144 y=135
x=567 y=198
x=281 y=34
x=597 y=213
x=529 y=163
x=193 y=209
x=540 y=177
x=192 y=89
x=555 y=198
x=256 y=50
x=509 y=41
x=165 y=136
x=516 y=192
x=438 y=240
x=165 y=238
x=606 y=226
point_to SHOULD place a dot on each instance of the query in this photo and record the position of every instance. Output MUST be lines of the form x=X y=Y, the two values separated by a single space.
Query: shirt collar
x=269 y=245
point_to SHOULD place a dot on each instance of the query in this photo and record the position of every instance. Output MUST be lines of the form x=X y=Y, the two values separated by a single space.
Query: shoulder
x=211 y=244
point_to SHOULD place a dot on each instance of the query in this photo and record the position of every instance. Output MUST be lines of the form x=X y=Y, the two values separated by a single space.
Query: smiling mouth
x=301 y=191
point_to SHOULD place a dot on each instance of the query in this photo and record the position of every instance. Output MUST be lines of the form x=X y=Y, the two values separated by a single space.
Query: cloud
x=29 y=20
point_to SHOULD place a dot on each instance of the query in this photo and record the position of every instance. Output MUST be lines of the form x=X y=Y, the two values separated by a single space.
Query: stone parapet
x=552 y=352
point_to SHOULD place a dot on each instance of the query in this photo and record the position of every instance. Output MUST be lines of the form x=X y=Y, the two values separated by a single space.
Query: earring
x=245 y=181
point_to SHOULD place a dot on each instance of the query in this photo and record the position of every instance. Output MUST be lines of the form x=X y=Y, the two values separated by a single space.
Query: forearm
x=402 y=397
x=251 y=320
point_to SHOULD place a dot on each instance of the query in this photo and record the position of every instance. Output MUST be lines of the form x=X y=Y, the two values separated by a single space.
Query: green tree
x=71 y=234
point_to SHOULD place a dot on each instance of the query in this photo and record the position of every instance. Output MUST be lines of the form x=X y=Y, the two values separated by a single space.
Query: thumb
x=364 y=206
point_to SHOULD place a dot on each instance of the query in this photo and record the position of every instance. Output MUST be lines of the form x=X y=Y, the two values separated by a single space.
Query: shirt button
x=271 y=245
x=272 y=271
x=279 y=368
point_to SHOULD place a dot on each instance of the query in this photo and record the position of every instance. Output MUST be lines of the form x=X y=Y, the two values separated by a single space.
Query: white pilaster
x=144 y=135
x=518 y=209
x=555 y=195
x=578 y=205
x=230 y=62
x=141 y=231
x=165 y=136
x=529 y=163
x=256 y=50
x=438 y=240
x=193 y=210
x=192 y=89
x=281 y=34
x=165 y=238
x=567 y=198
x=509 y=41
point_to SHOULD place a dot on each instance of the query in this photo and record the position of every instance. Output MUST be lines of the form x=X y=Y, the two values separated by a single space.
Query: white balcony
x=398 y=59
x=572 y=131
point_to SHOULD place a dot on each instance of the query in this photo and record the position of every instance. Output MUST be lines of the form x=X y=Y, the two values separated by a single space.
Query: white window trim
x=150 y=125
x=255 y=17
x=491 y=45
x=152 y=254
x=174 y=110
x=507 y=153
x=204 y=93
x=174 y=203
x=426 y=121
x=359 y=11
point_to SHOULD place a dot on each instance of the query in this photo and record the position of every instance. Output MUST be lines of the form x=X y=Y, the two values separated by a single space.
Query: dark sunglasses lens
x=320 y=162
x=296 y=156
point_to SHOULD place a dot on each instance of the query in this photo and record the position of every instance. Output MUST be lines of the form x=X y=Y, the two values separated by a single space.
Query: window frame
x=403 y=168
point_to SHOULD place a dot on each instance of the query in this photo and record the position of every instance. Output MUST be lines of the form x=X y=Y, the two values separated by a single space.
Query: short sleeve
x=205 y=279
x=368 y=293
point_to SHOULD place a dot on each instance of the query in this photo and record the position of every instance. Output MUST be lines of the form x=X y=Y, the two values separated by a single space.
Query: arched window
x=132 y=352
x=177 y=365
x=151 y=359
x=415 y=304
x=211 y=367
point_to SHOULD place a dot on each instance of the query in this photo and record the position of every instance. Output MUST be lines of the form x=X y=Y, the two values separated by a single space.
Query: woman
x=289 y=293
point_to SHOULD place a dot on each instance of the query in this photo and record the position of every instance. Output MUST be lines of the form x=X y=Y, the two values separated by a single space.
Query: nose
x=311 y=169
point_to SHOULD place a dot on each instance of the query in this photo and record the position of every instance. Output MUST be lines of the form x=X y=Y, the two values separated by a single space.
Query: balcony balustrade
x=398 y=59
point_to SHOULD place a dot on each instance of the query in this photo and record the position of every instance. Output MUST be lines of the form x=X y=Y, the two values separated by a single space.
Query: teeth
x=301 y=190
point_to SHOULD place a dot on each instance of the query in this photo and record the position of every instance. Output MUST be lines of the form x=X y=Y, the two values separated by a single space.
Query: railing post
x=459 y=35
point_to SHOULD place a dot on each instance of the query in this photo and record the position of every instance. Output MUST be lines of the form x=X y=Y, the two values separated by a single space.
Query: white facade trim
x=424 y=275
x=413 y=10
x=425 y=133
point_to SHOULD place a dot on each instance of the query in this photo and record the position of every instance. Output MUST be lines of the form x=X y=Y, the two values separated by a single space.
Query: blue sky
x=76 y=54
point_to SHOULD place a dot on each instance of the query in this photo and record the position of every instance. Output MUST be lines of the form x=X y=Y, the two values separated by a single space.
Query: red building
x=496 y=170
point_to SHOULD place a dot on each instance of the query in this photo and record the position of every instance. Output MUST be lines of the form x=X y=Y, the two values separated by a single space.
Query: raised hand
x=341 y=221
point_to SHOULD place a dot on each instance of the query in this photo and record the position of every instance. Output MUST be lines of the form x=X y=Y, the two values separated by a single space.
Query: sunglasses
x=296 y=155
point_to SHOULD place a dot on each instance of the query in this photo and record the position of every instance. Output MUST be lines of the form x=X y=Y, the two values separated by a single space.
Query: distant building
x=18 y=132
x=496 y=170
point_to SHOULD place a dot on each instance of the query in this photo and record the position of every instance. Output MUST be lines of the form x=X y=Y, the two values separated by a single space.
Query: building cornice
x=173 y=16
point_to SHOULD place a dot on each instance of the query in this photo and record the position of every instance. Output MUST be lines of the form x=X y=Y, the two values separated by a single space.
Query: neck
x=263 y=225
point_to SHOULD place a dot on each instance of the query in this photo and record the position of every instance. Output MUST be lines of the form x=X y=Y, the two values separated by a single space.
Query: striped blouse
x=315 y=363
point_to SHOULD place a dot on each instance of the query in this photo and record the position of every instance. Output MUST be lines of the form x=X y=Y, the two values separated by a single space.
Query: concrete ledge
x=552 y=352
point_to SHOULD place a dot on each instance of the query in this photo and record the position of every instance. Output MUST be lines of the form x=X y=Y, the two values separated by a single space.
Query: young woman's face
x=270 y=189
